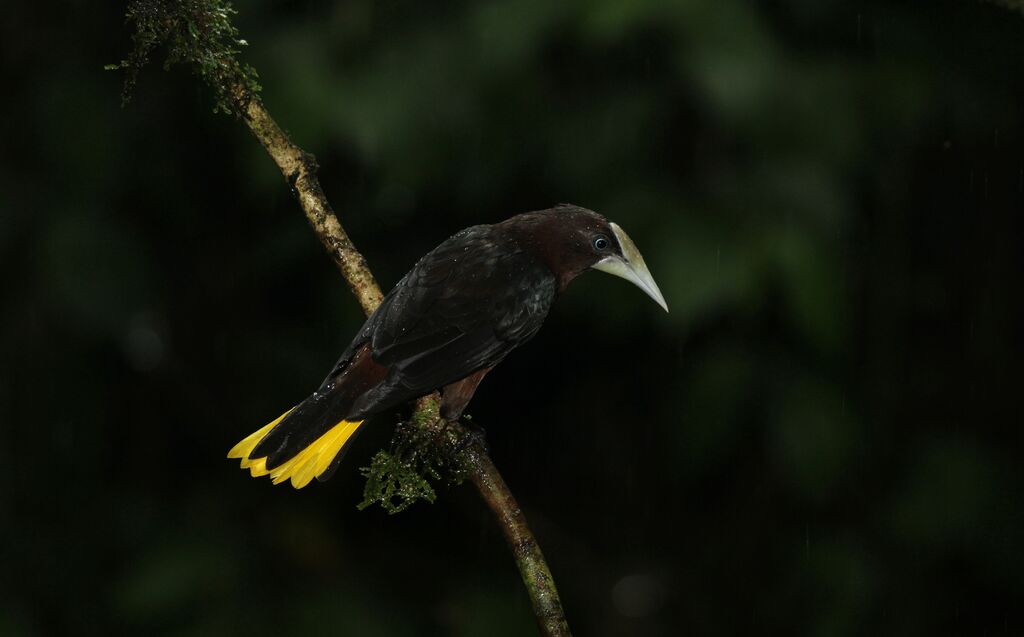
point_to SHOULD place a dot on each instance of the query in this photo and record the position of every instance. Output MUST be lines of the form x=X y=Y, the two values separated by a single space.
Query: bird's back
x=463 y=307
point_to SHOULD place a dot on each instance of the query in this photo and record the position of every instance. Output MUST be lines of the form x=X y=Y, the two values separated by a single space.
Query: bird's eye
x=600 y=243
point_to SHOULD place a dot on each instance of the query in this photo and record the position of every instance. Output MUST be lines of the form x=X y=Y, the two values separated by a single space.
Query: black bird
x=459 y=311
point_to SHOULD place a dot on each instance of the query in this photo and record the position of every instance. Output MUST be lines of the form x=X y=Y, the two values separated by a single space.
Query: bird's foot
x=472 y=434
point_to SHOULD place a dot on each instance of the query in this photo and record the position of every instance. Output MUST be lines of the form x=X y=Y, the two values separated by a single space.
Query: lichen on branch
x=194 y=32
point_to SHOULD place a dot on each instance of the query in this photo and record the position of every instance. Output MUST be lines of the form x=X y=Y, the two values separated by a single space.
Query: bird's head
x=572 y=240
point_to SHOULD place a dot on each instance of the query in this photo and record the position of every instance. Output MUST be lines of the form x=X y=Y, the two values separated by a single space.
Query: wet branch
x=201 y=34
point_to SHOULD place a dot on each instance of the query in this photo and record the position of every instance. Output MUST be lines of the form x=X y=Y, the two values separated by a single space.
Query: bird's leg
x=456 y=396
x=474 y=434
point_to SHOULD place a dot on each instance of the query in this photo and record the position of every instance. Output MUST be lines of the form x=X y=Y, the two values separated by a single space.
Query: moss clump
x=395 y=483
x=194 y=32
x=398 y=478
x=419 y=453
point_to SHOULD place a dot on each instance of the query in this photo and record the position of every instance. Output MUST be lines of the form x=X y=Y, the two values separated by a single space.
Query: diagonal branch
x=299 y=168
x=200 y=32
x=547 y=607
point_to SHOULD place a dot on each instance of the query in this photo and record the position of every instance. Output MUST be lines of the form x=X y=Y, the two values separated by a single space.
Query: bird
x=452 y=318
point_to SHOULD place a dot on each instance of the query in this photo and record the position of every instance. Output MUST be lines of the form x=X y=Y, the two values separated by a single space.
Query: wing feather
x=463 y=307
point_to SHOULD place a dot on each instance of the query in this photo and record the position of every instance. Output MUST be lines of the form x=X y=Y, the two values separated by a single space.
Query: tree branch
x=200 y=32
x=299 y=168
x=547 y=607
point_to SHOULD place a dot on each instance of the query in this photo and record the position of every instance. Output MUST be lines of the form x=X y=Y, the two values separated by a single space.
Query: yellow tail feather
x=305 y=465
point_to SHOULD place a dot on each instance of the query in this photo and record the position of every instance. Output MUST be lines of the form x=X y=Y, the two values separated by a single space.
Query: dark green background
x=822 y=438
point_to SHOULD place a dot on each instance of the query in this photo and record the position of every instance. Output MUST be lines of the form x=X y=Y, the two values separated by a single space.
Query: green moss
x=398 y=478
x=427 y=413
x=394 y=483
x=194 y=32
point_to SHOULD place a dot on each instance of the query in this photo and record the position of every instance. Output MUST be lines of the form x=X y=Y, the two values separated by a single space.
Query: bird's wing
x=463 y=307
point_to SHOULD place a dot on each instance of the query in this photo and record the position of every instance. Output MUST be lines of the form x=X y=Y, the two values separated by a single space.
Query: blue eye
x=600 y=243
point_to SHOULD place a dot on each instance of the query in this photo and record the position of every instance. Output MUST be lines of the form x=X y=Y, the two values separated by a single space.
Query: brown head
x=572 y=240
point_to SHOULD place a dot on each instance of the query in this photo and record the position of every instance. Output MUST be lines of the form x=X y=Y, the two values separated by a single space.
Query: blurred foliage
x=820 y=439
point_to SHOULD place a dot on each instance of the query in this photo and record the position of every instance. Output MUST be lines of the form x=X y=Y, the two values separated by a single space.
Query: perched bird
x=460 y=310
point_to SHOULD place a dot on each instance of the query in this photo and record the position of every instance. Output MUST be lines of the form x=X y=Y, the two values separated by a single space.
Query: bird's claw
x=471 y=434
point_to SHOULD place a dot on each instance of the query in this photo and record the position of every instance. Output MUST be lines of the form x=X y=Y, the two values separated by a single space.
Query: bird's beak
x=631 y=266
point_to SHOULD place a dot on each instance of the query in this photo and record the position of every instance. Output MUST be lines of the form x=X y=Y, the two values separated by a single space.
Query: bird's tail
x=317 y=459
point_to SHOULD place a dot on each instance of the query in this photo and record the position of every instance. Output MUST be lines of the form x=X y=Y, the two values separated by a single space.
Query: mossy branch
x=200 y=33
